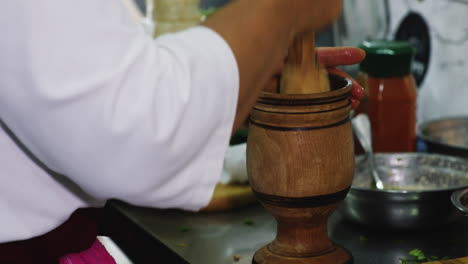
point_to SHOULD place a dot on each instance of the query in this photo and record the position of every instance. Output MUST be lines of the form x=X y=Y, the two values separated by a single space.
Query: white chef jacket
x=122 y=115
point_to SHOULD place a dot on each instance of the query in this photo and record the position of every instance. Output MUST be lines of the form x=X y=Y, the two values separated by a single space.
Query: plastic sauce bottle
x=391 y=105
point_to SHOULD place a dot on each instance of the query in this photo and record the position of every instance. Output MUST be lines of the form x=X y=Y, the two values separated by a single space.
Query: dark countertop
x=205 y=238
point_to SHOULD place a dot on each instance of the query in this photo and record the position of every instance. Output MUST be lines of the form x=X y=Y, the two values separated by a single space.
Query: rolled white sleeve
x=122 y=115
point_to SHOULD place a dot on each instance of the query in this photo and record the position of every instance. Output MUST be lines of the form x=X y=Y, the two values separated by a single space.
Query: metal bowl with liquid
x=417 y=194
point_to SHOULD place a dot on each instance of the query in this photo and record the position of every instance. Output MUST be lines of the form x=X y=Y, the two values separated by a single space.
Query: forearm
x=259 y=33
x=250 y=29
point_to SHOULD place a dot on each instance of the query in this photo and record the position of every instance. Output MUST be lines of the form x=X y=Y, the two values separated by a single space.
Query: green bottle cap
x=386 y=58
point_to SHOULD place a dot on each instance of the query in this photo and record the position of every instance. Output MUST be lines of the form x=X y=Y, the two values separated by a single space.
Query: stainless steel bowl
x=417 y=195
x=446 y=136
x=460 y=200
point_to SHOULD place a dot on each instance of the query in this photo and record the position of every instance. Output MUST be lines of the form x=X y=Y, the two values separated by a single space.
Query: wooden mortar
x=300 y=160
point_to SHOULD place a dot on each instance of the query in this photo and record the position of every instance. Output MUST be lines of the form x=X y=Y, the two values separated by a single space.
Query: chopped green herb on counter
x=418 y=256
x=207 y=12
x=184 y=229
x=363 y=239
x=181 y=244
x=249 y=222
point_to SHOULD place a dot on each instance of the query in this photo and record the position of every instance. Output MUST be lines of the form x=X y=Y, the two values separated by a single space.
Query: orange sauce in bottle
x=391 y=88
x=392 y=111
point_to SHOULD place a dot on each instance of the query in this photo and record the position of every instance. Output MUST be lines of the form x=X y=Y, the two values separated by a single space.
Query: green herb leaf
x=184 y=229
x=208 y=11
x=363 y=239
x=418 y=256
x=415 y=252
x=236 y=258
x=249 y=222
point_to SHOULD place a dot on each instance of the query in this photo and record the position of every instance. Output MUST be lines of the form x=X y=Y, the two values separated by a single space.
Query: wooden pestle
x=302 y=73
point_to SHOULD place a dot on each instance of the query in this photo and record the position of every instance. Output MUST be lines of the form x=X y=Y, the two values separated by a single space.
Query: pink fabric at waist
x=97 y=254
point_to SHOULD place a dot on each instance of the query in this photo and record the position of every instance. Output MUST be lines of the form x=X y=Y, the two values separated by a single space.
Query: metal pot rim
x=431 y=140
x=409 y=192
x=456 y=200
x=413 y=192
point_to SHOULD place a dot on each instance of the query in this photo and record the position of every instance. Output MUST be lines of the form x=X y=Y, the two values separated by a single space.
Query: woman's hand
x=332 y=57
x=259 y=34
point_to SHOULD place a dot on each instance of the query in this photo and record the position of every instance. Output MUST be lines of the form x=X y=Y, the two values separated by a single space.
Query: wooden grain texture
x=230 y=197
x=300 y=160
x=337 y=255
x=302 y=73
x=450 y=261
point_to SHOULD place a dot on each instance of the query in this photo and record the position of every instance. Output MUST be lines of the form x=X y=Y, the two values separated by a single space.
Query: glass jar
x=175 y=15
x=391 y=103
